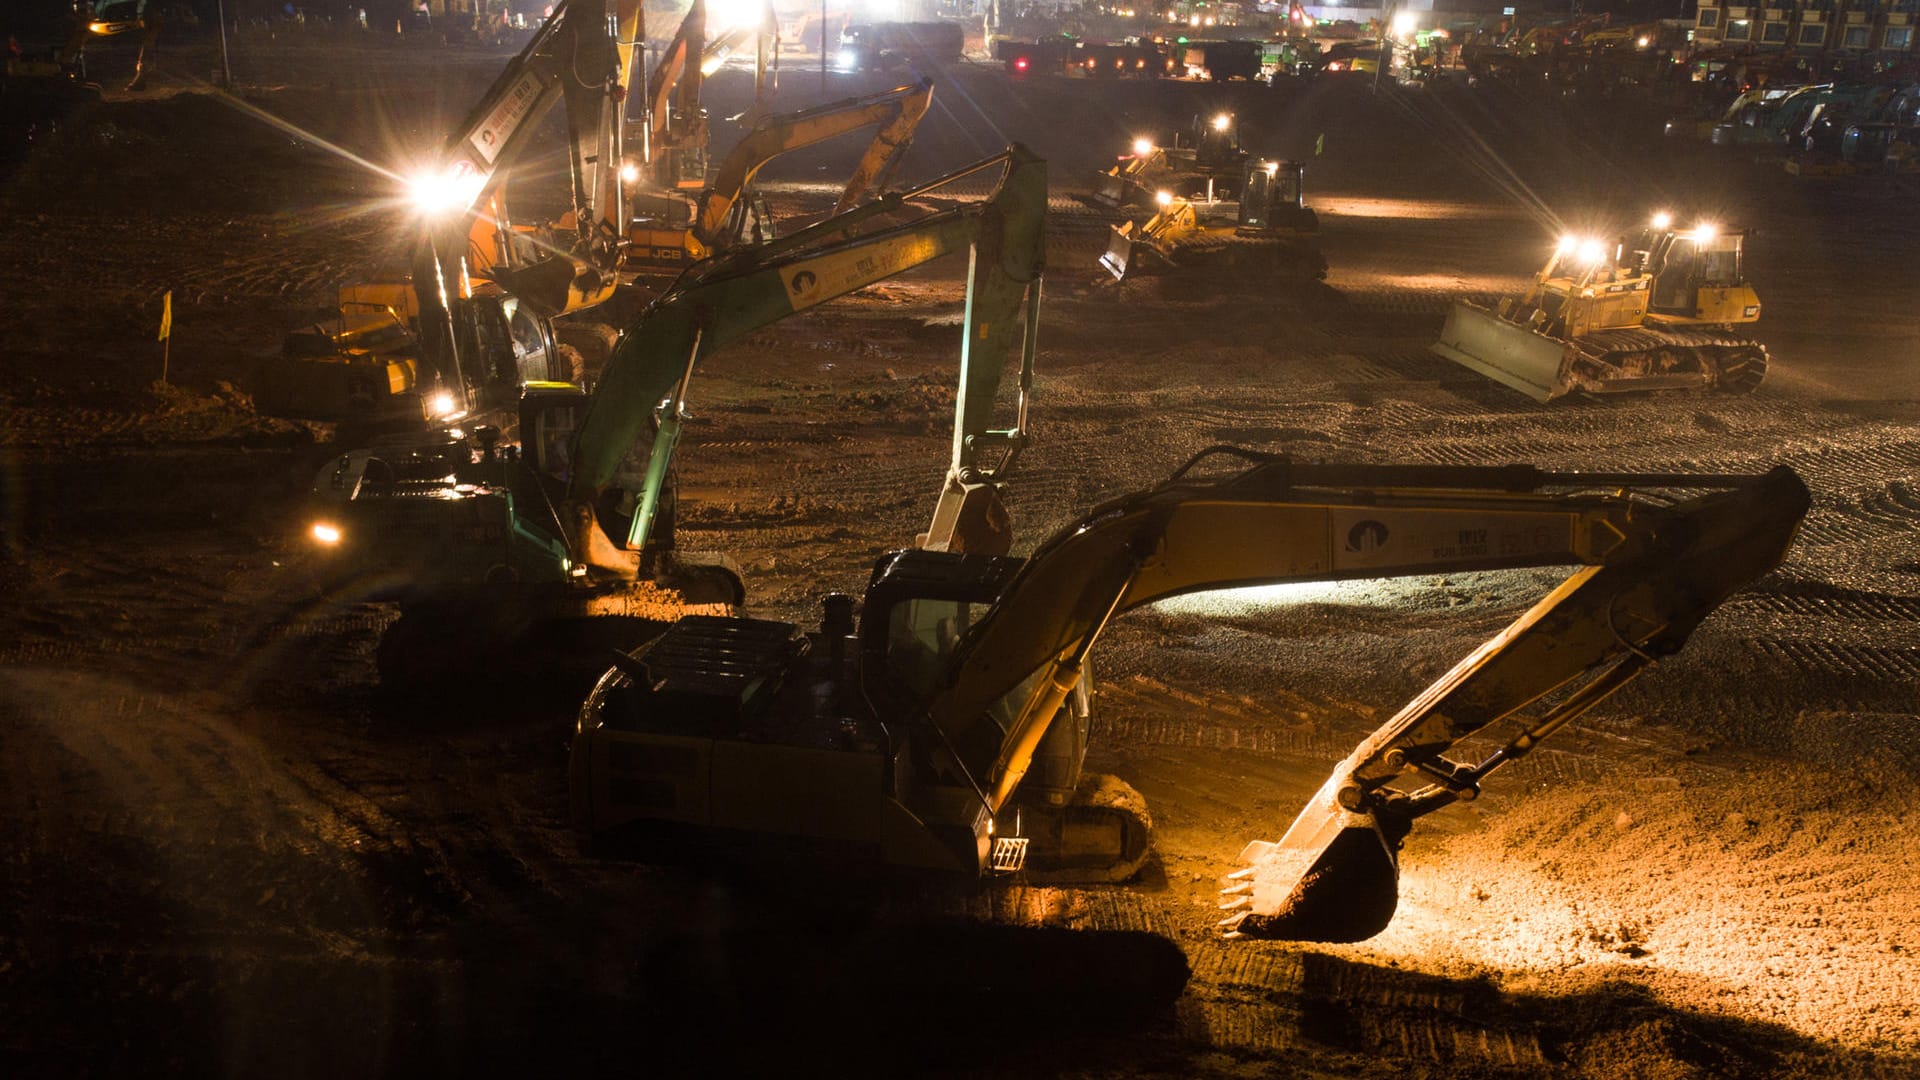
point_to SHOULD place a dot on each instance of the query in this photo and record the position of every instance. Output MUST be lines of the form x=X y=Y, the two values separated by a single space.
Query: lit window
x=1896 y=37
x=1739 y=29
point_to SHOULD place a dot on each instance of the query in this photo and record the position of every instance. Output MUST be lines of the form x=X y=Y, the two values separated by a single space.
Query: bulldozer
x=944 y=728
x=1270 y=234
x=1203 y=164
x=1657 y=312
x=498 y=544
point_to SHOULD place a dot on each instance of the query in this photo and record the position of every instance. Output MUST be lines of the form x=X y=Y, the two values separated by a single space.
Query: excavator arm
x=112 y=19
x=674 y=123
x=1652 y=569
x=724 y=298
x=896 y=113
x=582 y=54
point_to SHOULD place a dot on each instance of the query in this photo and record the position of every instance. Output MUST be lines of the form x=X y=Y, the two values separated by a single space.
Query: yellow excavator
x=1268 y=235
x=946 y=728
x=498 y=548
x=1657 y=312
x=720 y=216
x=668 y=141
x=471 y=320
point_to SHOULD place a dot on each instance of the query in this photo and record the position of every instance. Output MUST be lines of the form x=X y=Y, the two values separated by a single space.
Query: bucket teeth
x=1243 y=874
x=1231 y=924
x=1236 y=903
x=1242 y=888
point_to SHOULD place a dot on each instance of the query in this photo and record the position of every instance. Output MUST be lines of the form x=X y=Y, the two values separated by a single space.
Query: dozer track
x=1652 y=357
x=1644 y=357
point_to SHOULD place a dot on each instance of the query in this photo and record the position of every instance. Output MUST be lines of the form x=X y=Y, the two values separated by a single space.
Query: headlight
x=1164 y=198
x=1222 y=122
x=443 y=406
x=1662 y=220
x=435 y=192
x=629 y=173
x=1592 y=252
x=1142 y=147
x=325 y=532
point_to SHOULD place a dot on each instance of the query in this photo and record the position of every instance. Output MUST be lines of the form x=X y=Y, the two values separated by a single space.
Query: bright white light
x=1705 y=232
x=1662 y=220
x=1568 y=243
x=1404 y=22
x=1254 y=599
x=442 y=405
x=1223 y=122
x=724 y=15
x=325 y=533
x=1592 y=252
x=1643 y=41
x=1164 y=198
x=445 y=191
x=1142 y=147
x=629 y=173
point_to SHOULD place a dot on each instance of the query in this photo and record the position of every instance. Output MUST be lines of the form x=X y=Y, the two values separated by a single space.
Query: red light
x=1020 y=64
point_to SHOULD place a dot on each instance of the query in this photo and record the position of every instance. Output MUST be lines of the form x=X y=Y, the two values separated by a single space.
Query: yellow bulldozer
x=1267 y=235
x=1654 y=312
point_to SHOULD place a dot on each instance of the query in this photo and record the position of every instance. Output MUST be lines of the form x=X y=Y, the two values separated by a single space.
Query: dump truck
x=1656 y=312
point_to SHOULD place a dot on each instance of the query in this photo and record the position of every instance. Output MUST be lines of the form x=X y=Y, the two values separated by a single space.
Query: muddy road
x=226 y=851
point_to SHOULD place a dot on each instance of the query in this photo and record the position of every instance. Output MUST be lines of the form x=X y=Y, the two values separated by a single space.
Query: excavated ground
x=225 y=852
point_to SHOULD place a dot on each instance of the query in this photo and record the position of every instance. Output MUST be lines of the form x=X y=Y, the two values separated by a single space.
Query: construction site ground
x=226 y=852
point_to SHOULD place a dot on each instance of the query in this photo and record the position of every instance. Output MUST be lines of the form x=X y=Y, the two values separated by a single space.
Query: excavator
x=1270 y=234
x=472 y=321
x=670 y=143
x=674 y=237
x=486 y=543
x=40 y=89
x=945 y=729
x=1656 y=312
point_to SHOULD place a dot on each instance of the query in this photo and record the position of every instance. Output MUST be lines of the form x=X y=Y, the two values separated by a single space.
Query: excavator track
x=1103 y=835
x=1729 y=363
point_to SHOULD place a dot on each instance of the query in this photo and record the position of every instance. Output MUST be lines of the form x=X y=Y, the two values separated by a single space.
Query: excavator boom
x=1653 y=570
x=897 y=113
x=722 y=299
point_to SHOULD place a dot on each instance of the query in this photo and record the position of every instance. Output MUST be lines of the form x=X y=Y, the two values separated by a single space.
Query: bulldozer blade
x=1121 y=249
x=1505 y=352
x=1333 y=877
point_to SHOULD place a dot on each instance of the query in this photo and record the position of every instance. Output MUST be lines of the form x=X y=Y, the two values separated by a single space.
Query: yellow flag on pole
x=166 y=315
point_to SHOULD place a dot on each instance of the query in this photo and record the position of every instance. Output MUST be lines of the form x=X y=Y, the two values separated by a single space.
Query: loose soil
x=226 y=852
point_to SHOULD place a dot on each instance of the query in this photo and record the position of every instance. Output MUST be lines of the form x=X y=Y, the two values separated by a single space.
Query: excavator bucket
x=1333 y=877
x=1506 y=352
x=1122 y=250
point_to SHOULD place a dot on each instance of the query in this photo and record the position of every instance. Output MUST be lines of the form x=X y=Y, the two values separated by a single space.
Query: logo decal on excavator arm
x=1367 y=535
x=802 y=282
